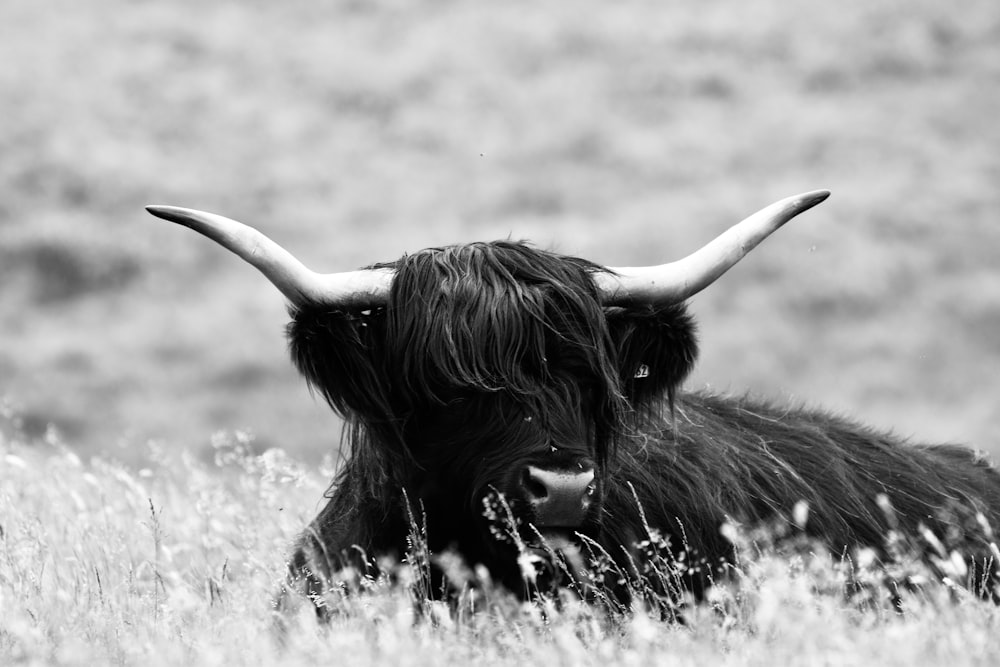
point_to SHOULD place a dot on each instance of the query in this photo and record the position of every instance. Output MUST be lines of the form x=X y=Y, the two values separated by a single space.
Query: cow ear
x=656 y=347
x=340 y=353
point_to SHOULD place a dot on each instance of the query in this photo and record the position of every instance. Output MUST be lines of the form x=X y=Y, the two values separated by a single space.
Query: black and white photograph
x=431 y=332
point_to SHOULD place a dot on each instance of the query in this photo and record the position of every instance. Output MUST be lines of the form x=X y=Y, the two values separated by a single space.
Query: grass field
x=351 y=132
x=175 y=564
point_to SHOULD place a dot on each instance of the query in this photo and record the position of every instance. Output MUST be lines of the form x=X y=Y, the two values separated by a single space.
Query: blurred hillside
x=627 y=132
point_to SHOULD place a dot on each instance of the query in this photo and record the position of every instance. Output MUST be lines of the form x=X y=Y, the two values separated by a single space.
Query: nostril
x=533 y=486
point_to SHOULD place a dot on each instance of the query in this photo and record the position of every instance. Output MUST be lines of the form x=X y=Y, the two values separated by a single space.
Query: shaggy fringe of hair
x=502 y=319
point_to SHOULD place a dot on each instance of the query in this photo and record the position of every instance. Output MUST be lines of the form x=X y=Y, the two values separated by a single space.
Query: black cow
x=497 y=383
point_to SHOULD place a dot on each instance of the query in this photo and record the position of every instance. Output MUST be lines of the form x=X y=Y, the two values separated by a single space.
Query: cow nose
x=560 y=498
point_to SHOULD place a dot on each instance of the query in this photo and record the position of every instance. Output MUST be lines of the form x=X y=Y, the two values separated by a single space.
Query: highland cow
x=499 y=378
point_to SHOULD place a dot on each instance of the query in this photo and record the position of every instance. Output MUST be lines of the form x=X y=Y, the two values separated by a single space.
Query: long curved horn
x=299 y=284
x=665 y=283
x=677 y=281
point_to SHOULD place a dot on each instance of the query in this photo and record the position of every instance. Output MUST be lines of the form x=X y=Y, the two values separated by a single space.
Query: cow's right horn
x=676 y=281
x=299 y=284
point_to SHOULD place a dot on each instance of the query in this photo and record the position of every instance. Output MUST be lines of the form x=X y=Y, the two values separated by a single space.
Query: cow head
x=492 y=375
x=493 y=369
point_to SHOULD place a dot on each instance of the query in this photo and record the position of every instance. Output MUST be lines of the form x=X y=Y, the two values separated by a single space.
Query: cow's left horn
x=299 y=284
x=676 y=281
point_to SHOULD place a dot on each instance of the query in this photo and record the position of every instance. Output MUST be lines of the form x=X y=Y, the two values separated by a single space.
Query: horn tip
x=176 y=214
x=816 y=196
x=803 y=202
x=158 y=210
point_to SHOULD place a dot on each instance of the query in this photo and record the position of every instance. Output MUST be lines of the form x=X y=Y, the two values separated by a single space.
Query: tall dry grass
x=176 y=563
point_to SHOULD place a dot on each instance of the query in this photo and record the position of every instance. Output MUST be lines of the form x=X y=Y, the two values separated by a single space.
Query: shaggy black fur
x=491 y=357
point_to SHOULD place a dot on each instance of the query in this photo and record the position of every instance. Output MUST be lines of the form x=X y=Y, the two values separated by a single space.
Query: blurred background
x=628 y=133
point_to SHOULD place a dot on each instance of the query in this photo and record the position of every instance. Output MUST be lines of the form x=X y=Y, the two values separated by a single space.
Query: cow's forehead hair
x=499 y=316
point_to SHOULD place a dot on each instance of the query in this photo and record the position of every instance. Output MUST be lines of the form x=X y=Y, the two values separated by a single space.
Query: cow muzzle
x=558 y=498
